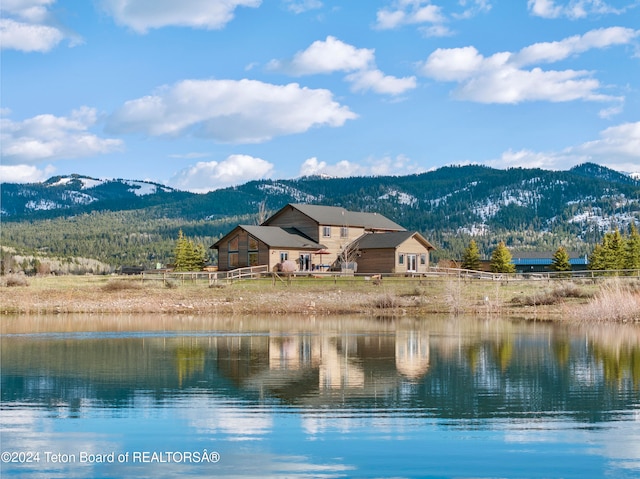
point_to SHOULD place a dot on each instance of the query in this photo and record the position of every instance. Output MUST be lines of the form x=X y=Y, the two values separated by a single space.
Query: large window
x=233 y=251
x=253 y=251
x=326 y=231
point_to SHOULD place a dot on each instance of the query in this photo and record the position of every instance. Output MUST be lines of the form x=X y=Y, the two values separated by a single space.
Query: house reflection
x=317 y=363
x=412 y=353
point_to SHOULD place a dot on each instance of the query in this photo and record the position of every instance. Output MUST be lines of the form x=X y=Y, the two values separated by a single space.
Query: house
x=324 y=238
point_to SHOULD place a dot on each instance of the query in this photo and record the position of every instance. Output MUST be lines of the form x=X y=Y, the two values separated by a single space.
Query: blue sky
x=203 y=94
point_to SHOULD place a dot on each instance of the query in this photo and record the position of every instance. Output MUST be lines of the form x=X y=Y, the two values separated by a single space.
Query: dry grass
x=555 y=295
x=615 y=302
x=12 y=280
x=306 y=296
x=121 y=285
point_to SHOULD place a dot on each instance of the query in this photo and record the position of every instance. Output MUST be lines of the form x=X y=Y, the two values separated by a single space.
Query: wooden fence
x=213 y=277
x=255 y=272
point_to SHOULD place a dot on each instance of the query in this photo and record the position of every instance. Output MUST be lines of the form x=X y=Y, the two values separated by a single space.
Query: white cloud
x=28 y=37
x=500 y=78
x=48 y=137
x=430 y=18
x=575 y=9
x=550 y=52
x=141 y=15
x=31 y=10
x=618 y=148
x=387 y=166
x=380 y=83
x=211 y=175
x=472 y=8
x=328 y=56
x=27 y=25
x=301 y=6
x=24 y=173
x=332 y=55
x=409 y=12
x=243 y=111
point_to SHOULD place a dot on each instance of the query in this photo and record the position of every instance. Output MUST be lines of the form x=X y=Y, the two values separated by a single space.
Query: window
x=233 y=243
x=252 y=259
x=344 y=232
x=326 y=231
x=401 y=258
x=233 y=260
x=423 y=259
x=284 y=256
x=233 y=251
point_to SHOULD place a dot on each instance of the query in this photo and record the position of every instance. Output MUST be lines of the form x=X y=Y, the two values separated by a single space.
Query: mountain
x=136 y=222
x=65 y=195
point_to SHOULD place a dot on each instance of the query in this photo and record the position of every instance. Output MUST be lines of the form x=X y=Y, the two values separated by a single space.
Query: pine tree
x=613 y=250
x=180 y=253
x=632 y=249
x=471 y=257
x=560 y=260
x=596 y=259
x=188 y=256
x=501 y=261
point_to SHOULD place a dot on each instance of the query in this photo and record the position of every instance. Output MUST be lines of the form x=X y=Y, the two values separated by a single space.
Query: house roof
x=275 y=236
x=338 y=216
x=390 y=240
x=520 y=258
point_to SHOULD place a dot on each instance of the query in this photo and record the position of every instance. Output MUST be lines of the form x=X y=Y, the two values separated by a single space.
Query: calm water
x=307 y=398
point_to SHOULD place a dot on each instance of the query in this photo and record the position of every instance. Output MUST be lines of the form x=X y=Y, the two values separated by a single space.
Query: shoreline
x=352 y=296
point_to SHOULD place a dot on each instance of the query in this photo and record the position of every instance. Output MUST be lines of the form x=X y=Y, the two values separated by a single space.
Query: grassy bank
x=559 y=299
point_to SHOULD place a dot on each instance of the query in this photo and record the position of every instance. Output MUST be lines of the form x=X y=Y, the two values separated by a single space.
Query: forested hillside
x=124 y=222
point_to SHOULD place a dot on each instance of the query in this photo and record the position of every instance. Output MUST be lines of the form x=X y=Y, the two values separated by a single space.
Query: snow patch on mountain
x=402 y=198
x=474 y=229
x=42 y=205
x=282 y=189
x=78 y=198
x=142 y=188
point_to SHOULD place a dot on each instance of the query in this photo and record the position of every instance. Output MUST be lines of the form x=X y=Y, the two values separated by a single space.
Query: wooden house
x=322 y=238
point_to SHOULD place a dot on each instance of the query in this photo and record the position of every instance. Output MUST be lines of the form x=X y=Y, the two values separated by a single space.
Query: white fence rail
x=212 y=277
x=255 y=272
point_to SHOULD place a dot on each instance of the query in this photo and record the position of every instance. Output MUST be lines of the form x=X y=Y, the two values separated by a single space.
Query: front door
x=305 y=262
x=412 y=263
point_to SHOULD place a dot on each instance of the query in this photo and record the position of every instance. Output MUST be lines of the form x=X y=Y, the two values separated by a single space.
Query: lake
x=304 y=397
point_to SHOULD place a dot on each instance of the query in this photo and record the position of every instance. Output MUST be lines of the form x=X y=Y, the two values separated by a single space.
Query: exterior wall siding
x=377 y=261
x=295 y=219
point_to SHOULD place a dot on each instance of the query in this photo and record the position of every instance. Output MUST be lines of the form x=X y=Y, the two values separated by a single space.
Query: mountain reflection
x=451 y=368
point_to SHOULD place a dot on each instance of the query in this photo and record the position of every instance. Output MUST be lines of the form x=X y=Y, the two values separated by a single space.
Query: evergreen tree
x=188 y=256
x=596 y=259
x=560 y=260
x=613 y=250
x=632 y=249
x=471 y=257
x=501 y=261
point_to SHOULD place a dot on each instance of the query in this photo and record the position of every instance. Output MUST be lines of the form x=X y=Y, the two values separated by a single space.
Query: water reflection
x=308 y=384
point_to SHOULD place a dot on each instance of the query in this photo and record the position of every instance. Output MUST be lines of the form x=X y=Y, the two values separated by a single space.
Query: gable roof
x=390 y=240
x=274 y=236
x=338 y=216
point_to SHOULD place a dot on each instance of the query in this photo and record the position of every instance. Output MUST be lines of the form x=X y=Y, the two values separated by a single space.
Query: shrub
x=16 y=280
x=121 y=285
x=614 y=302
x=385 y=301
x=554 y=296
